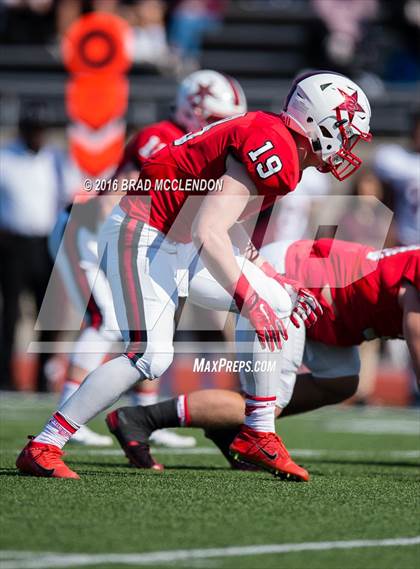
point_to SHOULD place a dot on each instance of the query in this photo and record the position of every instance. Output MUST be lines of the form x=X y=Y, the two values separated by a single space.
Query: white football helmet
x=334 y=114
x=206 y=96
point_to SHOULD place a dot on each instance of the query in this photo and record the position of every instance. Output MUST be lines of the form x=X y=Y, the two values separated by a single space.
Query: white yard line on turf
x=366 y=426
x=304 y=452
x=202 y=451
x=44 y=560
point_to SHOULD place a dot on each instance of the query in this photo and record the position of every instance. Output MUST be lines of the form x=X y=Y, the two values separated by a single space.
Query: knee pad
x=152 y=364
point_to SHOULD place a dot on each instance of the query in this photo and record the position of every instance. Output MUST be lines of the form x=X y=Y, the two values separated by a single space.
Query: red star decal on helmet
x=196 y=99
x=350 y=104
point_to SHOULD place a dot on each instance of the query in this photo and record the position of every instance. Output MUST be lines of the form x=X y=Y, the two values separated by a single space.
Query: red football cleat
x=40 y=459
x=267 y=451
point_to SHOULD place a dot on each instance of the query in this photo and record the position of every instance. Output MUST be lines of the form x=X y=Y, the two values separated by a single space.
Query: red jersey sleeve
x=400 y=264
x=148 y=141
x=269 y=154
x=412 y=270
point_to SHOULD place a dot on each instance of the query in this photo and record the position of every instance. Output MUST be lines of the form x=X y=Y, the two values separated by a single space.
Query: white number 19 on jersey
x=271 y=166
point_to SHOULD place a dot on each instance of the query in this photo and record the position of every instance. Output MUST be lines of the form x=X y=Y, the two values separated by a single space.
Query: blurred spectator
x=362 y=221
x=148 y=20
x=344 y=21
x=67 y=12
x=403 y=63
x=32 y=190
x=400 y=168
x=190 y=20
x=70 y=10
x=147 y=17
x=27 y=21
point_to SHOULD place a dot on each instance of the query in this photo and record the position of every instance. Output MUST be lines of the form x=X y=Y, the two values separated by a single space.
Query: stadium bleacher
x=263 y=48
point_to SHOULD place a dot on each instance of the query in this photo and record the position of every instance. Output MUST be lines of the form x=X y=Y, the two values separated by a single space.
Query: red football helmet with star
x=206 y=96
x=334 y=113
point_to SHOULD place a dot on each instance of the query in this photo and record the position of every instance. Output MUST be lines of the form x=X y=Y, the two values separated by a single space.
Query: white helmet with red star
x=334 y=113
x=206 y=96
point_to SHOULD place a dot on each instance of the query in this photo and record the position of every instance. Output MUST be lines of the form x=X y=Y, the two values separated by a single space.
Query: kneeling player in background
x=365 y=294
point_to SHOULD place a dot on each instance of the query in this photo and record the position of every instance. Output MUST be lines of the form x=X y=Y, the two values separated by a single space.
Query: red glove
x=269 y=327
x=306 y=307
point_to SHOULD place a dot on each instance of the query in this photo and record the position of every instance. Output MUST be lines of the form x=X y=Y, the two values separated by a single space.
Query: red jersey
x=357 y=287
x=258 y=140
x=148 y=141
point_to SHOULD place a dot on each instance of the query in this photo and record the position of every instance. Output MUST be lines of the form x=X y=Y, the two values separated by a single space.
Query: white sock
x=182 y=411
x=57 y=431
x=262 y=380
x=144 y=399
x=101 y=389
x=260 y=413
x=69 y=387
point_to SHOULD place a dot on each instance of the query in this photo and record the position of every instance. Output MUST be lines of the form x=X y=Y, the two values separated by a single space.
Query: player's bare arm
x=210 y=233
x=410 y=302
x=217 y=215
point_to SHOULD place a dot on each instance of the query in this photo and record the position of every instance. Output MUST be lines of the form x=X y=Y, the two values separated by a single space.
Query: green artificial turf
x=364 y=485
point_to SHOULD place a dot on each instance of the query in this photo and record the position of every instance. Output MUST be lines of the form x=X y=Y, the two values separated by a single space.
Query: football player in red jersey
x=364 y=293
x=152 y=238
x=202 y=97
